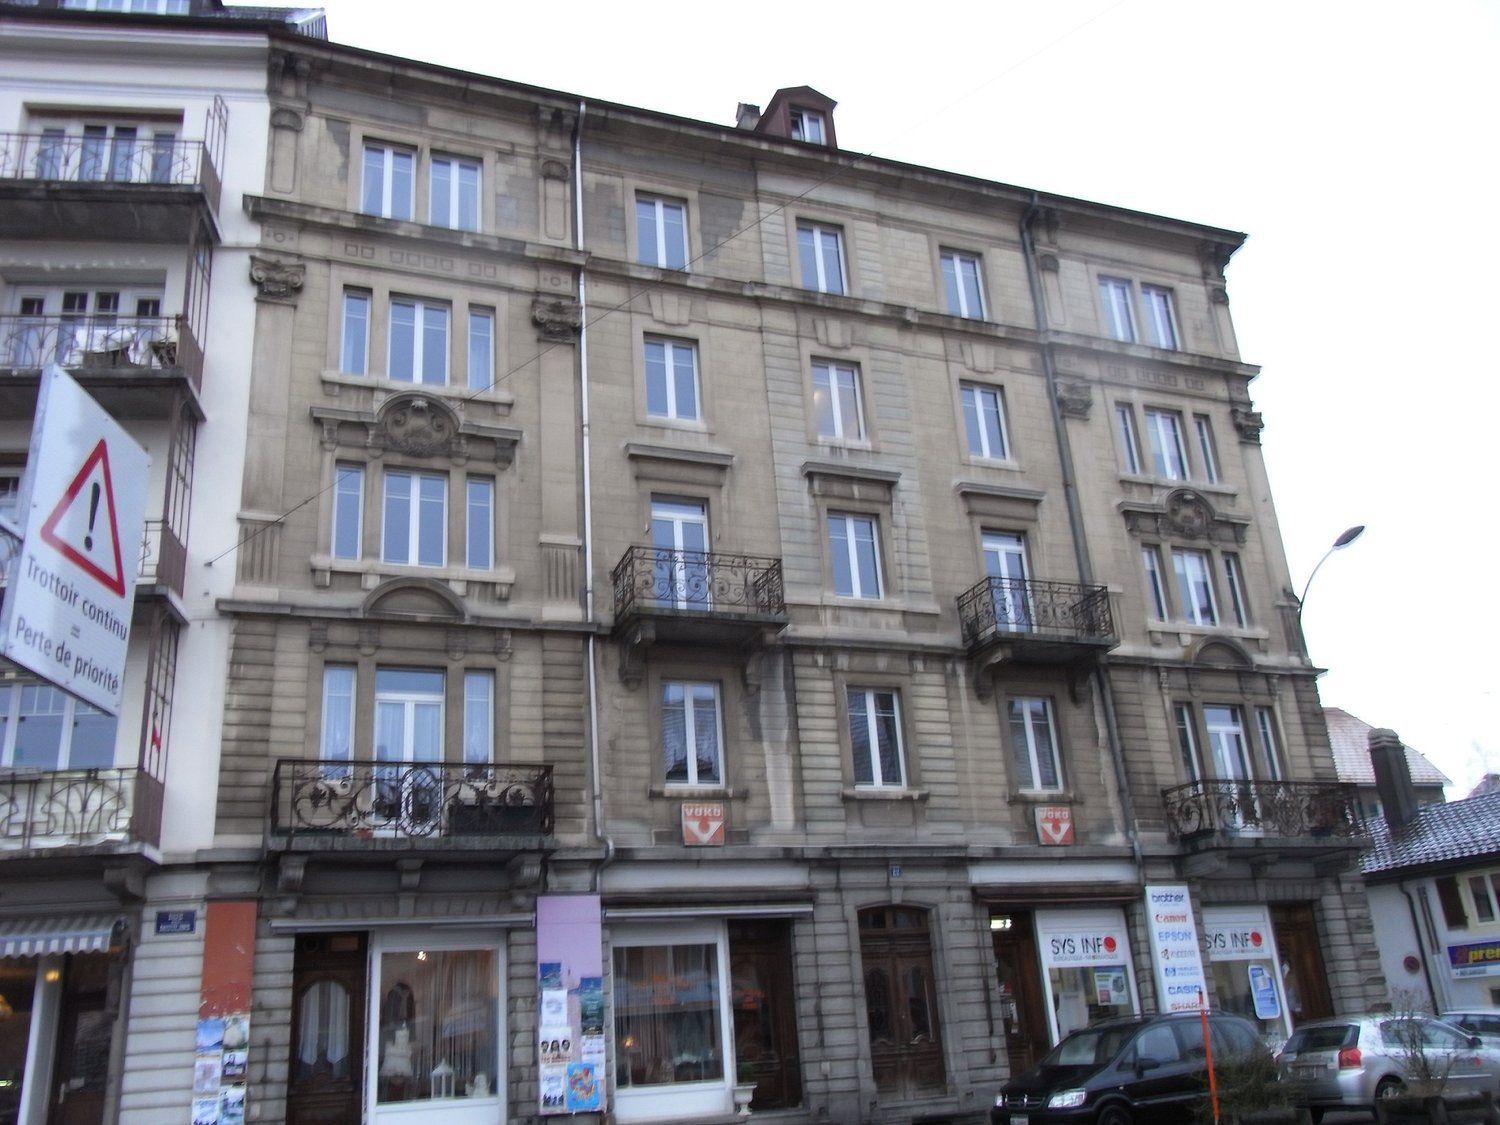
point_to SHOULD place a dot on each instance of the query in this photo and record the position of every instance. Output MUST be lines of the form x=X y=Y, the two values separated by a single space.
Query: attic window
x=807 y=125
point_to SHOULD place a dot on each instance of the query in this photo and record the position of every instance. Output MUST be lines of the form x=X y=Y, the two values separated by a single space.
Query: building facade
x=853 y=583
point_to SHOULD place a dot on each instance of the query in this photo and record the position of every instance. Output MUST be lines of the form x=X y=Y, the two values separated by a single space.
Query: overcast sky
x=1354 y=142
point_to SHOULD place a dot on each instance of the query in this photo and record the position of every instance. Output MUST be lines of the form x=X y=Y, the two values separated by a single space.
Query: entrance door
x=85 y=1027
x=328 y=1021
x=1005 y=563
x=1303 y=975
x=1023 y=1013
x=765 y=1024
x=901 y=1001
x=408 y=730
x=679 y=532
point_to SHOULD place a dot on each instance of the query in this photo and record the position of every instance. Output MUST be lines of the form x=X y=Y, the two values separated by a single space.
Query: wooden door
x=901 y=1008
x=765 y=1017
x=326 y=1079
x=1303 y=975
x=1023 y=1011
x=84 y=1030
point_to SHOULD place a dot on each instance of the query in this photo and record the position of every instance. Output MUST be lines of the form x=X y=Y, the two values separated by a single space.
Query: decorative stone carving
x=1188 y=514
x=417 y=426
x=1247 y=423
x=558 y=319
x=276 y=279
x=1048 y=263
x=285 y=117
x=1075 y=400
x=1183 y=514
x=554 y=169
x=1218 y=295
x=1214 y=257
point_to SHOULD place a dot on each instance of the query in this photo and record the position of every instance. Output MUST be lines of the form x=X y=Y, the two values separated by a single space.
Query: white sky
x=1354 y=141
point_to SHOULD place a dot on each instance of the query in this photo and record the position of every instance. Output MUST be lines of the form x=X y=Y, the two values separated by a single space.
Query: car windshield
x=1093 y=1047
x=1329 y=1038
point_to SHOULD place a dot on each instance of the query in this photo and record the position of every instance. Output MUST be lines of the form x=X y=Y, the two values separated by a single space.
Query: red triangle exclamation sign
x=115 y=581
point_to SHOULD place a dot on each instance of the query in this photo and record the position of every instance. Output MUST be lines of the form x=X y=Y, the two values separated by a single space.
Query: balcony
x=1206 y=814
x=124 y=361
x=163 y=560
x=1035 y=622
x=78 y=808
x=59 y=186
x=334 y=805
x=697 y=596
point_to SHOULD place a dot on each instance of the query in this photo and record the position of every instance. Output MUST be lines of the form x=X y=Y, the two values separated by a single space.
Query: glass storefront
x=1244 y=967
x=1086 y=964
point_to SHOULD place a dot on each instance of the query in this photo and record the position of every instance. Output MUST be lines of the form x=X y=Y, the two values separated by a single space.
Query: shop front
x=1245 y=968
x=1087 y=974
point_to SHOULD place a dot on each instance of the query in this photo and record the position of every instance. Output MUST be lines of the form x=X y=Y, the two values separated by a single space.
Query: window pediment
x=417 y=425
x=1183 y=514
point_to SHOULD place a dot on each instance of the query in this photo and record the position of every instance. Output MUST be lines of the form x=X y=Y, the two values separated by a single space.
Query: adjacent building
x=1349 y=736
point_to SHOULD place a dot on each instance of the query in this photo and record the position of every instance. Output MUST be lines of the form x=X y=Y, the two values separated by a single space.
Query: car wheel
x=1389 y=1088
x=1114 y=1115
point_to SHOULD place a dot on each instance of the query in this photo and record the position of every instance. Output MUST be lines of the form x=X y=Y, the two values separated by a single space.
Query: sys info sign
x=68 y=599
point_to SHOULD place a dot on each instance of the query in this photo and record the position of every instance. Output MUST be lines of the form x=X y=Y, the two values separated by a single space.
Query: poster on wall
x=570 y=1003
x=1181 y=985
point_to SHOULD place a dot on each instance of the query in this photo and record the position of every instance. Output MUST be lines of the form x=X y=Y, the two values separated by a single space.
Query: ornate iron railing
x=155 y=343
x=56 y=156
x=1068 y=610
x=1288 y=809
x=659 y=578
x=410 y=800
x=65 y=808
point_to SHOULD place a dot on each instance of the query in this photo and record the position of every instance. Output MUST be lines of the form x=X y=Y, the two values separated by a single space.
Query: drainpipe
x=1075 y=522
x=592 y=672
x=1417 y=932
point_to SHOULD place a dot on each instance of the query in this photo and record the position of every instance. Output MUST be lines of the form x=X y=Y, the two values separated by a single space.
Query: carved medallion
x=417 y=426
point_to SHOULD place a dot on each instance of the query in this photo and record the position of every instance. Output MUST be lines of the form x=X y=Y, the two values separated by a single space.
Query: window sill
x=1186 y=631
x=883 y=793
x=334 y=380
x=678 y=792
x=664 y=422
x=372 y=573
x=864 y=445
x=1009 y=464
x=1045 y=797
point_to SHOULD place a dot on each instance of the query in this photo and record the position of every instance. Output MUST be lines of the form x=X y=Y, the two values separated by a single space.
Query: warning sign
x=66 y=614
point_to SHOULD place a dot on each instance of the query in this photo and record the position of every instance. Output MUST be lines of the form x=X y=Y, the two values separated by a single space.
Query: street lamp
x=1347 y=537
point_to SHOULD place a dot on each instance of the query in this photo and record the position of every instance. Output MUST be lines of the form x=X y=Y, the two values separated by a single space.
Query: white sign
x=1180 y=984
x=1238 y=933
x=1083 y=937
x=72 y=584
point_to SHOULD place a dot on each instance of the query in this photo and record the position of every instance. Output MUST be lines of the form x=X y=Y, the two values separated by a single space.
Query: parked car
x=1348 y=1063
x=1118 y=1071
x=1483 y=1022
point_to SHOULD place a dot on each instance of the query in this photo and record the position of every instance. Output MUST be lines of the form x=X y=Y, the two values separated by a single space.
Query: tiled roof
x=1350 y=737
x=1468 y=829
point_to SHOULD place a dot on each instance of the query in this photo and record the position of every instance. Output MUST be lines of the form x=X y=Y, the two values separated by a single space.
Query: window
x=1226 y=741
x=354 y=358
x=691 y=733
x=1164 y=433
x=679 y=541
x=672 y=379
x=481 y=349
x=1234 y=582
x=479 y=718
x=480 y=523
x=1484 y=892
x=1208 y=458
x=1187 y=741
x=1195 y=586
x=453 y=193
x=388 y=181
x=1034 y=745
x=1455 y=916
x=149 y=7
x=10 y=508
x=43 y=728
x=962 y=286
x=348 y=511
x=1155 y=590
x=1130 y=446
x=875 y=738
x=1010 y=588
x=419 y=342
x=837 y=406
x=1161 y=324
x=984 y=421
x=668 y=1011
x=820 y=250
x=1116 y=298
x=1265 y=723
x=661 y=232
x=854 y=555
x=416 y=519
x=807 y=125
x=337 y=743
x=138 y=152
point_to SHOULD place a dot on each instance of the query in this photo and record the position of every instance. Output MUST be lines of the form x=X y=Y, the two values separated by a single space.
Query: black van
x=1125 y=1070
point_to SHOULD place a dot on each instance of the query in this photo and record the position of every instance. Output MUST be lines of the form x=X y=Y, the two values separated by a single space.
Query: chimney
x=1392 y=779
x=746 y=116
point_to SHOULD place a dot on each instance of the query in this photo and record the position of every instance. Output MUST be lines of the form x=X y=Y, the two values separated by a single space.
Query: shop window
x=1085 y=956
x=901 y=1010
x=668 y=1008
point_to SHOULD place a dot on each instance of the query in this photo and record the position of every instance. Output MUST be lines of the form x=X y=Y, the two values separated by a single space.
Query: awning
x=65 y=933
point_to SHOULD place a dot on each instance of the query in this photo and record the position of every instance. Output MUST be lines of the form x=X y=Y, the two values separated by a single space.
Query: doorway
x=328 y=1020
x=1023 y=1013
x=1303 y=975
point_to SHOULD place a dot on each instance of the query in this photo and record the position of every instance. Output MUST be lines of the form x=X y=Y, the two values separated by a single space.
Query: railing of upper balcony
x=84 y=343
x=417 y=801
x=163 y=560
x=62 y=808
x=1069 y=610
x=1288 y=809
x=660 y=578
x=57 y=156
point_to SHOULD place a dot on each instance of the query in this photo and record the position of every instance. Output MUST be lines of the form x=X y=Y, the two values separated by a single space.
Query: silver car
x=1483 y=1022
x=1349 y=1063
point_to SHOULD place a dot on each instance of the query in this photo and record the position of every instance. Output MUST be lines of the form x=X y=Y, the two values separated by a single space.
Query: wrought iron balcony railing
x=436 y=800
x=1289 y=809
x=73 y=808
x=155 y=343
x=997 y=607
x=55 y=156
x=662 y=579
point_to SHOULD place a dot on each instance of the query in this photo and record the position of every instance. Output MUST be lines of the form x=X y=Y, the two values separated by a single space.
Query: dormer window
x=807 y=125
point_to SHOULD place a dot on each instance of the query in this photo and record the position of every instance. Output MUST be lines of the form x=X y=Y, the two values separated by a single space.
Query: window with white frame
x=1483 y=891
x=807 y=125
x=10 y=508
x=146 y=7
x=1156 y=590
x=348 y=511
x=661 y=237
x=416 y=519
x=1130 y=446
x=1227 y=745
x=1117 y=300
x=875 y=738
x=820 y=253
x=1234 y=583
x=1034 y=744
x=1195 y=586
x=963 y=287
x=838 y=406
x=692 y=733
x=113 y=150
x=1265 y=725
x=479 y=718
x=419 y=341
x=453 y=192
x=44 y=728
x=67 y=324
x=984 y=421
x=481 y=349
x=389 y=183
x=1187 y=741
x=480 y=522
x=354 y=355
x=337 y=740
x=1208 y=457
x=1164 y=434
x=1161 y=322
x=854 y=554
x=672 y=379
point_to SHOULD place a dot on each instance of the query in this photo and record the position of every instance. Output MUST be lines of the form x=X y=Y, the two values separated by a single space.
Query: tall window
x=668 y=1010
x=479 y=718
x=149 y=7
x=807 y=125
x=1195 y=586
x=453 y=193
x=416 y=519
x=388 y=181
x=875 y=738
x=1187 y=742
x=1207 y=454
x=481 y=349
x=43 y=728
x=1130 y=446
x=1265 y=724
x=692 y=733
x=820 y=251
x=854 y=555
x=672 y=379
x=984 y=421
x=354 y=358
x=1161 y=324
x=1034 y=744
x=348 y=511
x=480 y=523
x=1116 y=301
x=419 y=341
x=661 y=232
x=1156 y=591
x=1234 y=582
x=1164 y=432
x=1226 y=741
x=837 y=405
x=337 y=742
x=962 y=287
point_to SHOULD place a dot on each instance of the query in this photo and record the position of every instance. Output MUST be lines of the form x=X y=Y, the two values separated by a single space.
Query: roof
x=1458 y=830
x=1350 y=737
